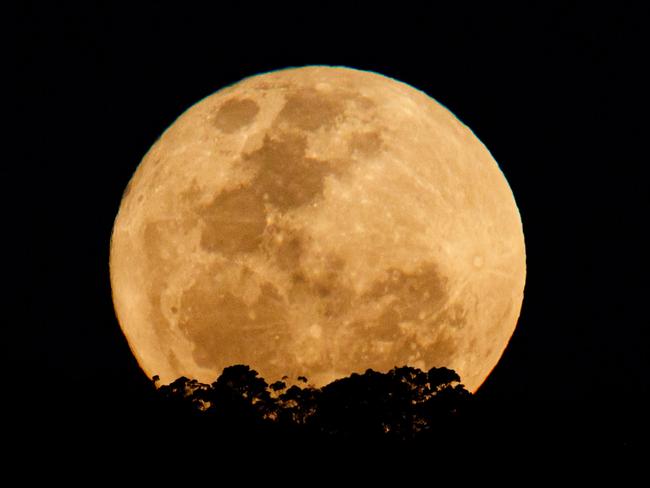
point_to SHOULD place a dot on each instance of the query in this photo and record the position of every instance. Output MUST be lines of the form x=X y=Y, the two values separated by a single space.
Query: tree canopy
x=403 y=404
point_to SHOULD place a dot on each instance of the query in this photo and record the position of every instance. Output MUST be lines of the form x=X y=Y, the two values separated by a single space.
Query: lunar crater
x=235 y=114
x=366 y=144
x=308 y=110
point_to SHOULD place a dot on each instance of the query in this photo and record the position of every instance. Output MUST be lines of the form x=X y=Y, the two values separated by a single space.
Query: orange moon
x=317 y=221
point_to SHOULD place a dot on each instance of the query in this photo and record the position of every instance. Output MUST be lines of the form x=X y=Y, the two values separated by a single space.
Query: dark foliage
x=402 y=404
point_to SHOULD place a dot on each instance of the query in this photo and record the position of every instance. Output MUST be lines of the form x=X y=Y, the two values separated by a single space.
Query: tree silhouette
x=402 y=404
x=184 y=397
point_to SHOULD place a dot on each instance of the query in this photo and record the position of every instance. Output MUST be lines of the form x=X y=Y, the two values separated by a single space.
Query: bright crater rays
x=317 y=221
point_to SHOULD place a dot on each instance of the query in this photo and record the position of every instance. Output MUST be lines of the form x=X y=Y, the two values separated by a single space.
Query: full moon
x=317 y=221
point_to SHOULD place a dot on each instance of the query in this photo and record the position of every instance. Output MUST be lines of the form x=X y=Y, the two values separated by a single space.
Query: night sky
x=552 y=93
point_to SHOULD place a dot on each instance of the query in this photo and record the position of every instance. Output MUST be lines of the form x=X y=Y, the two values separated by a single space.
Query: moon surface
x=317 y=221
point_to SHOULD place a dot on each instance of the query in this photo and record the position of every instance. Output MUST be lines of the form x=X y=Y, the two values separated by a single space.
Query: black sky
x=553 y=92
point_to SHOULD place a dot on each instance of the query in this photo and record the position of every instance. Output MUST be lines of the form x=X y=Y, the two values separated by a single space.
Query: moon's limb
x=317 y=221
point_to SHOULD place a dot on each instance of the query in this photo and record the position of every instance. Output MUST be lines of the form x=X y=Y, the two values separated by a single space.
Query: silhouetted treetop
x=404 y=403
